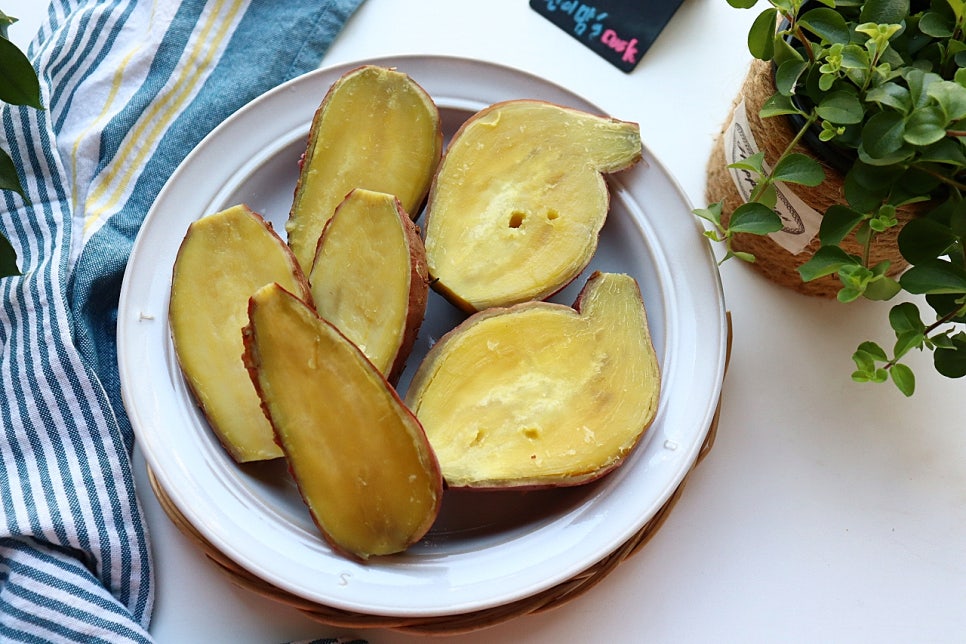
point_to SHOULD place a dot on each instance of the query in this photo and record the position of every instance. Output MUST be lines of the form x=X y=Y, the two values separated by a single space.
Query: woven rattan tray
x=446 y=624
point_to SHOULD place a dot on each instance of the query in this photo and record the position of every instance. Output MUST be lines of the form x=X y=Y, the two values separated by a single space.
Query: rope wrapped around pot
x=779 y=255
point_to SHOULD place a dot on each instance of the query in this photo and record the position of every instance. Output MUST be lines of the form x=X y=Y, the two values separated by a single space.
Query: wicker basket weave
x=444 y=624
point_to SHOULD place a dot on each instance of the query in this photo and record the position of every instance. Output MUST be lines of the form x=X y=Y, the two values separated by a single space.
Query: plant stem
x=800 y=35
x=949 y=317
x=949 y=181
x=769 y=179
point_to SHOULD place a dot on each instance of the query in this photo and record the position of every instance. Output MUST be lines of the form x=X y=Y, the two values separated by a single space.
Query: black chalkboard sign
x=620 y=31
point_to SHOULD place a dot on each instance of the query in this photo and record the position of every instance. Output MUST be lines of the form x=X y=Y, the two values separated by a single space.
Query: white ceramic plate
x=486 y=549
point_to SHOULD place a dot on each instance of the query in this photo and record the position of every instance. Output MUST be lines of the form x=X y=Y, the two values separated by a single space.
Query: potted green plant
x=853 y=183
x=19 y=86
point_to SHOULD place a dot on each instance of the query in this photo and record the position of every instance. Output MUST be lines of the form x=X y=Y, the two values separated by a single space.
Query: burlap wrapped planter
x=780 y=254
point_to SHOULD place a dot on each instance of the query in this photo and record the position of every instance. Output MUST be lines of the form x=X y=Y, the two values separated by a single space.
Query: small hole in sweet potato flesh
x=516 y=219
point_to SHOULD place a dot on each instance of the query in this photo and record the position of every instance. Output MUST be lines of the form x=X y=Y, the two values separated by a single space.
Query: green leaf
x=742 y=4
x=937 y=276
x=755 y=163
x=768 y=196
x=826 y=80
x=754 y=218
x=761 y=37
x=864 y=362
x=18 y=80
x=947 y=151
x=945 y=304
x=837 y=222
x=884 y=218
x=941 y=341
x=8 y=258
x=827 y=260
x=922 y=239
x=884 y=12
x=865 y=358
x=787 y=75
x=952 y=362
x=784 y=52
x=9 y=179
x=936 y=25
x=924 y=126
x=881 y=289
x=840 y=107
x=800 y=169
x=891 y=95
x=827 y=24
x=919 y=82
x=5 y=22
x=875 y=178
x=778 y=105
x=904 y=318
x=866 y=186
x=873 y=352
x=915 y=186
x=951 y=97
x=955 y=212
x=848 y=294
x=906 y=342
x=712 y=213
x=903 y=154
x=855 y=58
x=958 y=7
x=903 y=378
x=883 y=134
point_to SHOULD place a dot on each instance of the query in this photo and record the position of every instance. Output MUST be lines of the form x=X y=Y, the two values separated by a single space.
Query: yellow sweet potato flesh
x=369 y=278
x=540 y=394
x=375 y=129
x=518 y=202
x=360 y=458
x=223 y=259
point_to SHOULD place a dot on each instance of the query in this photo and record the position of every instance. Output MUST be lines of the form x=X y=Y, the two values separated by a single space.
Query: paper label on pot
x=801 y=222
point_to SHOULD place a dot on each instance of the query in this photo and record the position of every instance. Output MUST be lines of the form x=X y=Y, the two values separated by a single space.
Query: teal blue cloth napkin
x=130 y=87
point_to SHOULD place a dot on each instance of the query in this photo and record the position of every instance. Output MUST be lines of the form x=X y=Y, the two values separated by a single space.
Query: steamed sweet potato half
x=540 y=394
x=224 y=258
x=518 y=202
x=361 y=460
x=375 y=129
x=369 y=278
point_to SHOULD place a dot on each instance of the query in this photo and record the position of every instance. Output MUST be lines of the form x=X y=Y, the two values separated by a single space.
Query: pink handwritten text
x=615 y=42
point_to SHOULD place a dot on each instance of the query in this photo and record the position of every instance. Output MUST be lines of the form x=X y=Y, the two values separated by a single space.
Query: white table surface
x=827 y=510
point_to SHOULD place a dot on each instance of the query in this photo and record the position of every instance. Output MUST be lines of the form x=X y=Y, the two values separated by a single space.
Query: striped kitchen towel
x=130 y=87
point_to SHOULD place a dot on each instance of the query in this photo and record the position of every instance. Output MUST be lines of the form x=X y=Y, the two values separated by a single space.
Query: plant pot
x=779 y=255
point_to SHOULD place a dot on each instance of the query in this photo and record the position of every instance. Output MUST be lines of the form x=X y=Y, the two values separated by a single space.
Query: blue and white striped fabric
x=130 y=87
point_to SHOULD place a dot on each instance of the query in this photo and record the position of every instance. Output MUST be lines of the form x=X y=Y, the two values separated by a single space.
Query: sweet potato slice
x=519 y=200
x=539 y=394
x=375 y=129
x=361 y=460
x=224 y=258
x=369 y=278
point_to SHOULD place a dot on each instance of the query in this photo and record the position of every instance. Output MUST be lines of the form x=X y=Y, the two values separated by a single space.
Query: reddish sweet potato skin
x=251 y=361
